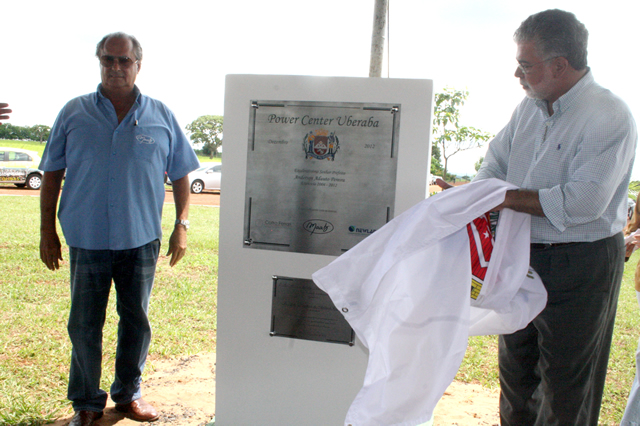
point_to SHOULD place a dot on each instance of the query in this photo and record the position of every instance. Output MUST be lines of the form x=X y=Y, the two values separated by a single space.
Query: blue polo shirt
x=114 y=187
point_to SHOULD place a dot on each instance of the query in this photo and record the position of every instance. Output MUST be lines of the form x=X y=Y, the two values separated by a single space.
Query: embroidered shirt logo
x=145 y=139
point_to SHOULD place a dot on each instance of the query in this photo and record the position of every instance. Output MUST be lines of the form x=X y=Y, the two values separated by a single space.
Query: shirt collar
x=102 y=97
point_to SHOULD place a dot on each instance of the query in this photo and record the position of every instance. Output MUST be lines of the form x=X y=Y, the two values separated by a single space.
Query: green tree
x=436 y=165
x=207 y=130
x=40 y=132
x=450 y=136
x=11 y=132
x=478 y=164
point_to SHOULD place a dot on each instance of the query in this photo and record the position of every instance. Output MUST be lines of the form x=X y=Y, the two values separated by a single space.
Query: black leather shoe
x=139 y=410
x=85 y=418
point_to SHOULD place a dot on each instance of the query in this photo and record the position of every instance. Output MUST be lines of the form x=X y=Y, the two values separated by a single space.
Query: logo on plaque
x=365 y=231
x=321 y=144
x=317 y=226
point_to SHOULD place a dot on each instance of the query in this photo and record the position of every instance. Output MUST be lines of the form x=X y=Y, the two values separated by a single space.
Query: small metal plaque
x=320 y=176
x=301 y=310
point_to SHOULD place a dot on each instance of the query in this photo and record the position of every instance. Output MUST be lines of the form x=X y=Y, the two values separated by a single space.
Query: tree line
x=38 y=133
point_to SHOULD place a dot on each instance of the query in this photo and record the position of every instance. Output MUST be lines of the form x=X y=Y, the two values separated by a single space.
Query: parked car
x=204 y=178
x=20 y=167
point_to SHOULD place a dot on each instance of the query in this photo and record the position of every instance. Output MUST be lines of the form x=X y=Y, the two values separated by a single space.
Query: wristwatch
x=184 y=223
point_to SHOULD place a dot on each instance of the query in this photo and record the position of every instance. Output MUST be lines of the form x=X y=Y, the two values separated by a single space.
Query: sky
x=48 y=51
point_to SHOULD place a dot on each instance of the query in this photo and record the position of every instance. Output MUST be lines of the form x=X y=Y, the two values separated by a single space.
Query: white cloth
x=405 y=290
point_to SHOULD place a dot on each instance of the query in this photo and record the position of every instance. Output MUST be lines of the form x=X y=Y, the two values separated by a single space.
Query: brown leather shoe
x=85 y=418
x=139 y=410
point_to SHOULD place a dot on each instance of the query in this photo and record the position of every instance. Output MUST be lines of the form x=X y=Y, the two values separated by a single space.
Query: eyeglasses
x=108 y=61
x=526 y=69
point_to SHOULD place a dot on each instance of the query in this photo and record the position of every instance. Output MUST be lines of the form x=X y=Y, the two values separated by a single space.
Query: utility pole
x=377 y=38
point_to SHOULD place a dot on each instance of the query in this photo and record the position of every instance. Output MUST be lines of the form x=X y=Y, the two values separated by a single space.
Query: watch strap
x=183 y=222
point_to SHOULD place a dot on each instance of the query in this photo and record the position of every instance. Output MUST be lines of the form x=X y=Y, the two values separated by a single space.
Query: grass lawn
x=34 y=304
x=28 y=145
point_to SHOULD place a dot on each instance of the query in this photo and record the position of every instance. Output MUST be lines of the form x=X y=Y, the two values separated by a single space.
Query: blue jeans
x=632 y=412
x=92 y=271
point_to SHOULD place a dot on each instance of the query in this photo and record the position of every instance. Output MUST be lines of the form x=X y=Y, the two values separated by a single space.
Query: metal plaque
x=301 y=310
x=320 y=176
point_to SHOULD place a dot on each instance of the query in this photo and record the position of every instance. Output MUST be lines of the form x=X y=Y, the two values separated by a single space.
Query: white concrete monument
x=311 y=166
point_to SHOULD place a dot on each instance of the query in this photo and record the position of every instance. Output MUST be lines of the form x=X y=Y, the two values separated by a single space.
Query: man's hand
x=177 y=244
x=4 y=112
x=443 y=184
x=629 y=249
x=521 y=200
x=178 y=240
x=50 y=250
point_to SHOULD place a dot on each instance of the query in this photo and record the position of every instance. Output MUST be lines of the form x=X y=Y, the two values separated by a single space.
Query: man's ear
x=560 y=66
x=139 y=64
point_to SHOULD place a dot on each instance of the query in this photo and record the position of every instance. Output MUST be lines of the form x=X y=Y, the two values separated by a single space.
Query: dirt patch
x=183 y=391
x=202 y=199
x=13 y=190
x=466 y=404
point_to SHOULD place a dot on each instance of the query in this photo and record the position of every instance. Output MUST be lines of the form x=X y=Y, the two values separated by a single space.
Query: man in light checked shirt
x=569 y=147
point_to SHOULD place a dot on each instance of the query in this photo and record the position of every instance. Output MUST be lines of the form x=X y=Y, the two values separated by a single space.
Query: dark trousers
x=92 y=271
x=553 y=371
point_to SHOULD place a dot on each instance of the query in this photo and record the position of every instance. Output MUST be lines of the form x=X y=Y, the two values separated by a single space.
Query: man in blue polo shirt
x=115 y=145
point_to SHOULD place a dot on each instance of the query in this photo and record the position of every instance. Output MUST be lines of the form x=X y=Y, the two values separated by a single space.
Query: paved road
x=203 y=199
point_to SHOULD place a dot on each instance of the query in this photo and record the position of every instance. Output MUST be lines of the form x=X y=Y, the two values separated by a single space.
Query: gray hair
x=556 y=33
x=137 y=49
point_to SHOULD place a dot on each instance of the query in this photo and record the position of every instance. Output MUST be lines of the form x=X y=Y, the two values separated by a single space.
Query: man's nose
x=518 y=73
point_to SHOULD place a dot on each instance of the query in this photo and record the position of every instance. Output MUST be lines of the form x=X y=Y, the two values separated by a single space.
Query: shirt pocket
x=150 y=143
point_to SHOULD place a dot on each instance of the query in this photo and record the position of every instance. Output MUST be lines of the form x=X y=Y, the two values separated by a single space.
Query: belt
x=541 y=246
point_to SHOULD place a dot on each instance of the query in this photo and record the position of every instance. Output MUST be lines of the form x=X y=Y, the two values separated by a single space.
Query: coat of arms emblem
x=320 y=144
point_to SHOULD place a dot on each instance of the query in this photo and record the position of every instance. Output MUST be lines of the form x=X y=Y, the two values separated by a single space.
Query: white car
x=20 y=167
x=206 y=177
